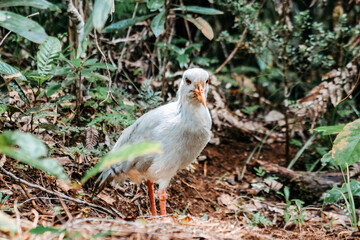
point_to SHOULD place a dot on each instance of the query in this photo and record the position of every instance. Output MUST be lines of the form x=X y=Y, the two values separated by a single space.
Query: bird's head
x=194 y=86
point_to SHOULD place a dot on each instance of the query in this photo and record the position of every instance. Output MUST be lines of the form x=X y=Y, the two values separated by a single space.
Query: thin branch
x=77 y=19
x=351 y=92
x=59 y=194
x=163 y=79
x=109 y=93
x=127 y=38
x=239 y=43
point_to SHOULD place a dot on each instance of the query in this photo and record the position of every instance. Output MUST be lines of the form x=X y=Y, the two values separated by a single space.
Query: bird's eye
x=207 y=81
x=188 y=81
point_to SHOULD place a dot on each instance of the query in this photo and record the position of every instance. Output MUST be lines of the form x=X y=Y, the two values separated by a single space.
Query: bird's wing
x=144 y=129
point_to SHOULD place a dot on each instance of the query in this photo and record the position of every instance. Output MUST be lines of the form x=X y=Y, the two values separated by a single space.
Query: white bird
x=183 y=127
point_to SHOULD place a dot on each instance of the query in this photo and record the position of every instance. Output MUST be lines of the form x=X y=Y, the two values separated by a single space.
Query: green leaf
x=121 y=154
x=327 y=158
x=89 y=26
x=346 y=147
x=103 y=66
x=250 y=109
x=126 y=23
x=41 y=230
x=7 y=224
x=102 y=8
x=48 y=52
x=182 y=59
x=42 y=4
x=158 y=24
x=23 y=26
x=52 y=89
x=6 y=69
x=38 y=79
x=28 y=149
x=197 y=9
x=154 y=5
x=329 y=130
x=2 y=108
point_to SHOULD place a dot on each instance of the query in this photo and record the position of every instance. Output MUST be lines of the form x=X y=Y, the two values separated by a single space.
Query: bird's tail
x=107 y=176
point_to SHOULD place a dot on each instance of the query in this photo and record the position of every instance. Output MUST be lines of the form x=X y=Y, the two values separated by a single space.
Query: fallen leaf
x=106 y=198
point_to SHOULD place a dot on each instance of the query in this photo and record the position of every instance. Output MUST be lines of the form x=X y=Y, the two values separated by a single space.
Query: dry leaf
x=106 y=198
x=228 y=201
x=205 y=28
x=274 y=116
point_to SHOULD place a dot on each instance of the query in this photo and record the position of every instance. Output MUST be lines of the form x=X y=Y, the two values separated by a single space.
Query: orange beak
x=200 y=93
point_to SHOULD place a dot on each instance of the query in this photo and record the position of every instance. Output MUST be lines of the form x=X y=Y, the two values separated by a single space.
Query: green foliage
x=125 y=23
x=257 y=219
x=200 y=10
x=41 y=230
x=250 y=109
x=329 y=130
x=346 y=193
x=183 y=212
x=42 y=4
x=346 y=147
x=102 y=9
x=259 y=171
x=23 y=26
x=150 y=98
x=154 y=5
x=114 y=118
x=158 y=24
x=3 y=200
x=121 y=154
x=338 y=193
x=294 y=208
x=345 y=152
x=6 y=69
x=47 y=54
x=26 y=148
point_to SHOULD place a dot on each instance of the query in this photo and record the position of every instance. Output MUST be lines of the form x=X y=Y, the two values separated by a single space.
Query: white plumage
x=183 y=128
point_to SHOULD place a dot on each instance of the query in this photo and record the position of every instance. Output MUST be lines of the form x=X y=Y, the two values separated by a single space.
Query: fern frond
x=48 y=52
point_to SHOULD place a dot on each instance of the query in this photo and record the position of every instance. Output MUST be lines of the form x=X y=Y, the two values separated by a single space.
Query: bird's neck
x=194 y=115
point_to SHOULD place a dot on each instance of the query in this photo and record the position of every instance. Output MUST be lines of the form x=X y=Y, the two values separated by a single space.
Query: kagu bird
x=183 y=127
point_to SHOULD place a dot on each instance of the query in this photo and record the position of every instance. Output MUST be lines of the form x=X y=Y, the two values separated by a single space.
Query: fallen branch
x=309 y=185
x=60 y=194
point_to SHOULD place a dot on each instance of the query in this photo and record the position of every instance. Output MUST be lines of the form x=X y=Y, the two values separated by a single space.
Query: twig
x=127 y=38
x=239 y=43
x=77 y=19
x=59 y=194
x=186 y=24
x=109 y=94
x=351 y=92
x=3 y=40
x=32 y=201
x=163 y=80
x=66 y=209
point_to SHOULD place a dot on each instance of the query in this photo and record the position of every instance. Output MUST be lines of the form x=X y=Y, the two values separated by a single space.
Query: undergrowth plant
x=344 y=153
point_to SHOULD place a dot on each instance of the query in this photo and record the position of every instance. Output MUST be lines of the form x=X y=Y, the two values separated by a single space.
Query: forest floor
x=207 y=201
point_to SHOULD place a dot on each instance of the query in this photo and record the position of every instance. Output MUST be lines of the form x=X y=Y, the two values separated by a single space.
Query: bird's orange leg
x=162 y=198
x=150 y=186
